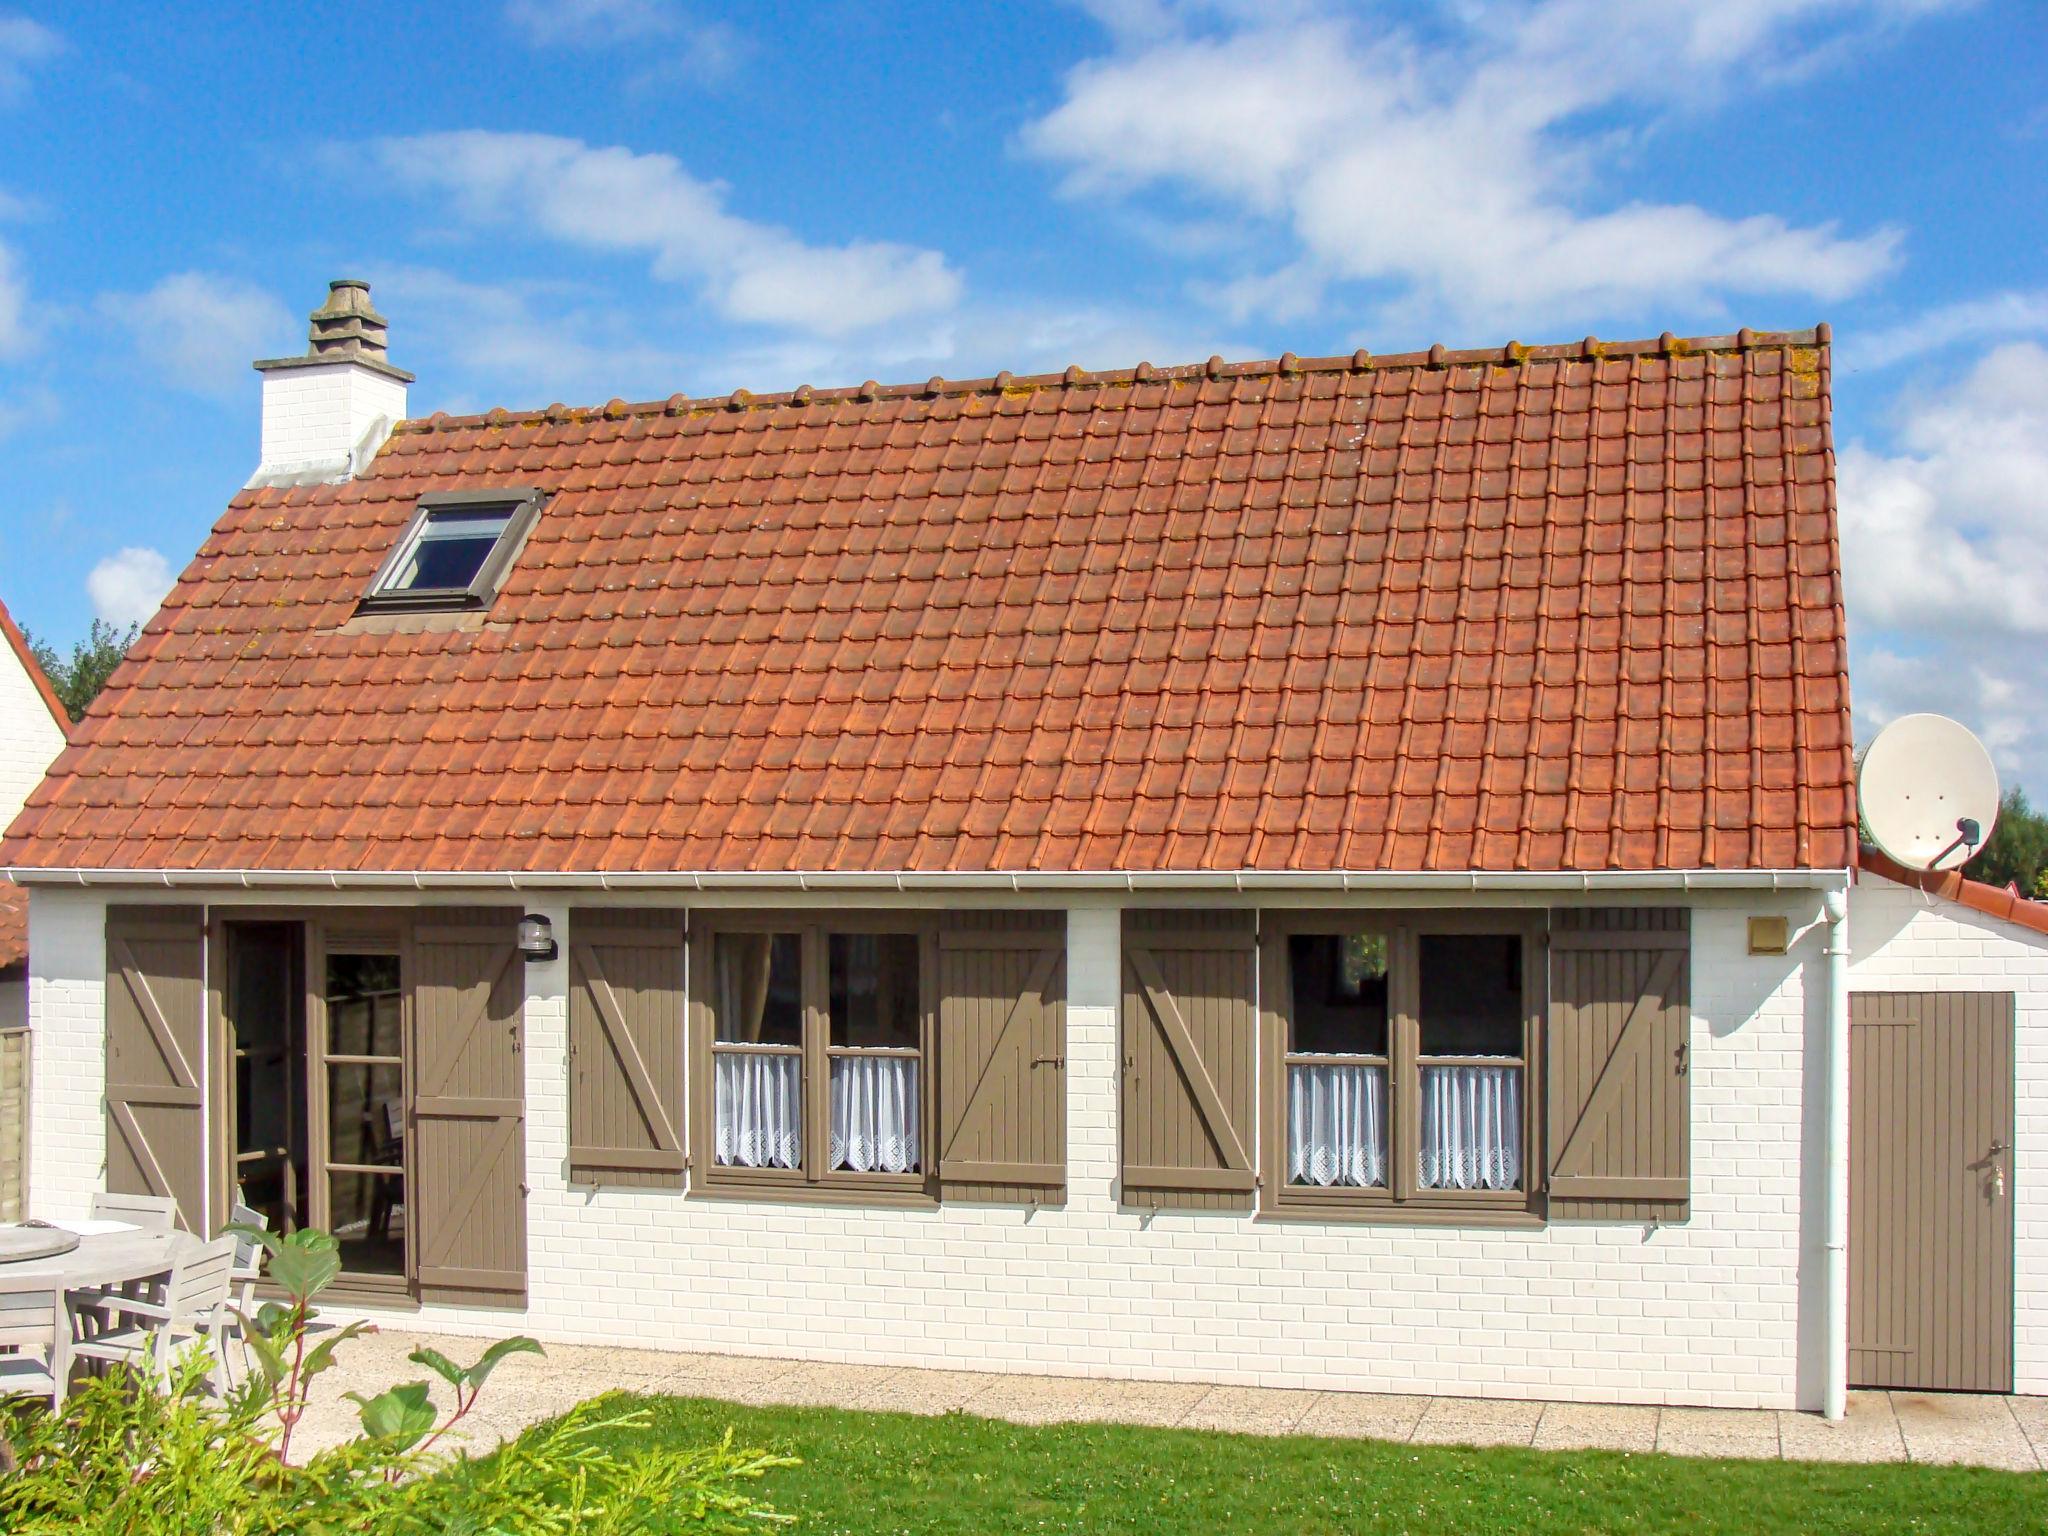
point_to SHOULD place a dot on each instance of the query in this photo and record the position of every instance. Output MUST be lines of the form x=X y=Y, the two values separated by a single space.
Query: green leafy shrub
x=127 y=1457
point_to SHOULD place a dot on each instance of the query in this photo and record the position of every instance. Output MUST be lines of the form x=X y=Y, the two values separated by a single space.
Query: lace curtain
x=874 y=1114
x=1471 y=1128
x=760 y=1109
x=1337 y=1125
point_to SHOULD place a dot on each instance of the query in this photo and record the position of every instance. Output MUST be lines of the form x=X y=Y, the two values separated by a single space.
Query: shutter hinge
x=1049 y=1061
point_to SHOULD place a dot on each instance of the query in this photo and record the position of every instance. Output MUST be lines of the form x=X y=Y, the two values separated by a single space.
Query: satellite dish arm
x=1968 y=834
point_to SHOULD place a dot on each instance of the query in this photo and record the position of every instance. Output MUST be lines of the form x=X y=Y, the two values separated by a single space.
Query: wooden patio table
x=102 y=1256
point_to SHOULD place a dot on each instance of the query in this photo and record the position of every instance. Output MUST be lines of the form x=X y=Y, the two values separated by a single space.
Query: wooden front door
x=1930 y=1190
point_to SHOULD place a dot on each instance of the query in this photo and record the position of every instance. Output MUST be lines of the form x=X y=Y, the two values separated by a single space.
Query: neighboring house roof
x=1562 y=608
x=1992 y=900
x=13 y=930
x=18 y=642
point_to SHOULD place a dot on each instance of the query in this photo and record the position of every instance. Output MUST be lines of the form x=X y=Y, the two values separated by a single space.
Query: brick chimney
x=326 y=414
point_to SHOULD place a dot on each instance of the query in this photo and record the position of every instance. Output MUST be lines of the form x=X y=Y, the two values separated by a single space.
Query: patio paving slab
x=1868 y=1432
x=1731 y=1432
x=1363 y=1415
x=1979 y=1431
x=1881 y=1426
x=2032 y=1414
x=1248 y=1410
x=1596 y=1427
x=1088 y=1400
x=930 y=1392
x=1477 y=1421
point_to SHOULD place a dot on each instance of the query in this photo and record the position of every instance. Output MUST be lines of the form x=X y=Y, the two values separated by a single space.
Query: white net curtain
x=1337 y=1125
x=874 y=1114
x=1471 y=1128
x=760 y=1110
x=1471 y=1132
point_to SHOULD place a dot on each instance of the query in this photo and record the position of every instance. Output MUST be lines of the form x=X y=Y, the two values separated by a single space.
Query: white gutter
x=1835 y=1387
x=1363 y=880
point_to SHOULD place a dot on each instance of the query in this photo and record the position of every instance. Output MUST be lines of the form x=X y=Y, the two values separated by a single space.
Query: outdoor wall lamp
x=537 y=938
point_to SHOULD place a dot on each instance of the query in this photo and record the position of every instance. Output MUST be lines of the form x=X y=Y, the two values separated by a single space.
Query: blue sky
x=589 y=198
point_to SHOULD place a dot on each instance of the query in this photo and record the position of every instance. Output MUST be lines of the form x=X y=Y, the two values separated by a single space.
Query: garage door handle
x=1998 y=1147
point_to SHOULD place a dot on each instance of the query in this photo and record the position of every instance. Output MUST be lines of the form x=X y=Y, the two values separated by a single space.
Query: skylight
x=456 y=550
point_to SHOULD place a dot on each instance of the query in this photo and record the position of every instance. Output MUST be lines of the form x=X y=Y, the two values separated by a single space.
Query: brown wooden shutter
x=156 y=1028
x=1190 y=1048
x=1617 y=1063
x=626 y=1011
x=469 y=1107
x=1001 y=1070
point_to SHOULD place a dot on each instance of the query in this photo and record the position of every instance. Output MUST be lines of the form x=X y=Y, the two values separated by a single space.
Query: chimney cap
x=345 y=329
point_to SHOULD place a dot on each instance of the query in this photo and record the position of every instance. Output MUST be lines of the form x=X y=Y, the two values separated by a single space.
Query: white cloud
x=23 y=45
x=127 y=586
x=526 y=344
x=202 y=331
x=669 y=42
x=15 y=333
x=2000 y=316
x=1941 y=547
x=591 y=23
x=615 y=200
x=1454 y=167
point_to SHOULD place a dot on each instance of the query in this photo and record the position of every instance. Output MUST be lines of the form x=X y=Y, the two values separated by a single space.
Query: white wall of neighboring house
x=1707 y=1312
x=1905 y=940
x=30 y=738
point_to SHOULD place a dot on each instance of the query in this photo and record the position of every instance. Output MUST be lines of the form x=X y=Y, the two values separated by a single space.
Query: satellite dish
x=1928 y=792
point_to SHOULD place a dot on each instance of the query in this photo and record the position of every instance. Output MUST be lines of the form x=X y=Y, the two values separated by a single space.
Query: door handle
x=1996 y=1148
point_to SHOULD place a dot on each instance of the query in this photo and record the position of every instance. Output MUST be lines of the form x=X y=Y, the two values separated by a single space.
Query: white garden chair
x=155 y=1213
x=36 y=1337
x=193 y=1304
x=242 y=1278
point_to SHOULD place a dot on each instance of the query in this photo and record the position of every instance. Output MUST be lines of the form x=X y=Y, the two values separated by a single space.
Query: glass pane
x=365 y=1113
x=448 y=551
x=363 y=1013
x=759 y=1109
x=874 y=1114
x=1340 y=993
x=874 y=989
x=368 y=1214
x=1471 y=1128
x=757 y=988
x=1471 y=994
x=1337 y=1125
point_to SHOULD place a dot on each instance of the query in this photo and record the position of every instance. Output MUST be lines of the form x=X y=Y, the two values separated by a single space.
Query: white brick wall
x=1903 y=940
x=314 y=418
x=29 y=737
x=1707 y=1312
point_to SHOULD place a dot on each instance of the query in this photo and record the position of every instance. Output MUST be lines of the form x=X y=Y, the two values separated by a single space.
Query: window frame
x=523 y=506
x=814 y=1181
x=1402 y=1199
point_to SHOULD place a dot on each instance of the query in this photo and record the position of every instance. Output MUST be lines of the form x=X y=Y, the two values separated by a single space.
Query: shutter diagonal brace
x=1010 y=1041
x=1180 y=1040
x=646 y=1099
x=459 y=1038
x=1653 y=998
x=152 y=1015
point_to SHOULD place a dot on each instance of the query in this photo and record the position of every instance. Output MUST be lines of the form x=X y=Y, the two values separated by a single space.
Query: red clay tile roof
x=1562 y=608
x=13 y=929
x=18 y=643
x=1992 y=900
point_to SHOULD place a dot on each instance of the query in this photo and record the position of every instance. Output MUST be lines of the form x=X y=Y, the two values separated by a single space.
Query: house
x=1325 y=872
x=32 y=724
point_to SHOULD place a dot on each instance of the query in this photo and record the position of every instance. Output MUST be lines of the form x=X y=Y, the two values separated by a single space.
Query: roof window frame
x=524 y=504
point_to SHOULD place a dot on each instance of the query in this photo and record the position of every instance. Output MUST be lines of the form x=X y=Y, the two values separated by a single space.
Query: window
x=456 y=550
x=817 y=1036
x=1403 y=1045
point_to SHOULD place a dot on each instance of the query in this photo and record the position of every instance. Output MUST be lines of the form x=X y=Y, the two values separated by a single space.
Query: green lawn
x=882 y=1474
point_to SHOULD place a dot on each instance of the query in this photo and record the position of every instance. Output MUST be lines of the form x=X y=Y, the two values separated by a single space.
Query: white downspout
x=1835 y=1390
